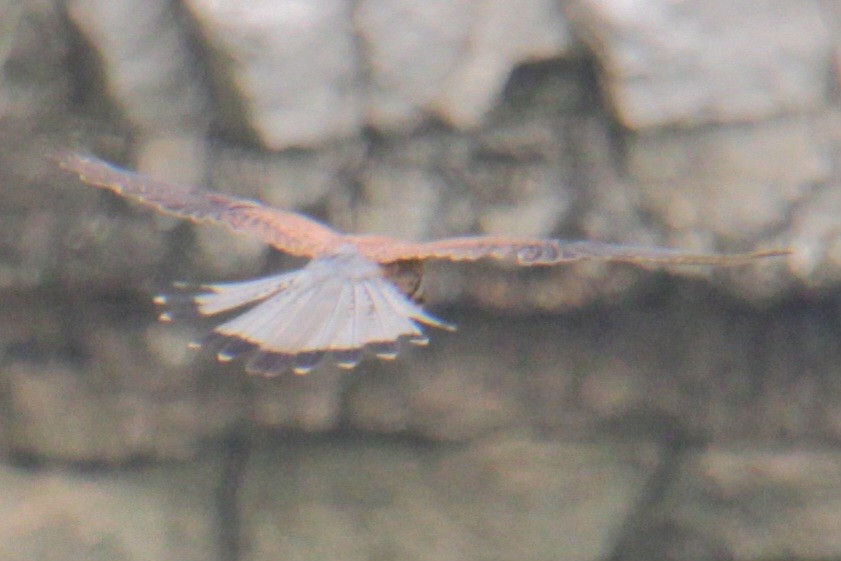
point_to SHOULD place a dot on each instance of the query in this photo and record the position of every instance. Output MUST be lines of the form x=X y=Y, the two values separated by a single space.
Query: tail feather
x=386 y=350
x=260 y=322
x=180 y=304
x=334 y=318
x=346 y=331
x=362 y=314
x=340 y=305
x=413 y=311
x=348 y=358
x=233 y=349
x=222 y=297
x=392 y=323
x=314 y=322
x=304 y=362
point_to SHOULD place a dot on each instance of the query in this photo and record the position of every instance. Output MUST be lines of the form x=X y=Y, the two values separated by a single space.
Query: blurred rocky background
x=581 y=413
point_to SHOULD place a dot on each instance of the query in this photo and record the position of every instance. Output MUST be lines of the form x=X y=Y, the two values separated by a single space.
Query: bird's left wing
x=527 y=252
x=287 y=231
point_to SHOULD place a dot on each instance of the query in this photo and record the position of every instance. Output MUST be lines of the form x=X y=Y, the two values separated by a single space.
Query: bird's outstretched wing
x=287 y=231
x=340 y=305
x=526 y=252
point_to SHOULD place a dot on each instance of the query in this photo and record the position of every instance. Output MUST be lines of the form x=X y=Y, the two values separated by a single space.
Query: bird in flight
x=357 y=293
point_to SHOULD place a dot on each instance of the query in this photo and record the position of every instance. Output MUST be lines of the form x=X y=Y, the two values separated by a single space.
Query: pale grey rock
x=462 y=395
x=410 y=50
x=760 y=502
x=816 y=234
x=34 y=82
x=735 y=183
x=221 y=255
x=35 y=90
x=306 y=73
x=82 y=388
x=173 y=158
x=12 y=14
x=690 y=63
x=814 y=228
x=159 y=513
x=149 y=69
x=401 y=202
x=503 y=36
x=130 y=244
x=292 y=179
x=292 y=65
x=505 y=497
x=299 y=403
x=450 y=59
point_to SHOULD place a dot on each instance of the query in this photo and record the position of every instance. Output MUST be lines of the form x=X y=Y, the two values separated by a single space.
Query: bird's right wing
x=287 y=231
x=532 y=252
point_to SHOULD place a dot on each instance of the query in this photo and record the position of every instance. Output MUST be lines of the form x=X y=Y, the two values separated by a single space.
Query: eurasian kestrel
x=356 y=293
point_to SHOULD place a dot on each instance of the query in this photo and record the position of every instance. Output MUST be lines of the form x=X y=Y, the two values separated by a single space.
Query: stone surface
x=691 y=369
x=80 y=389
x=501 y=498
x=499 y=439
x=450 y=58
x=35 y=84
x=149 y=69
x=756 y=503
x=157 y=513
x=291 y=65
x=735 y=184
x=691 y=63
x=301 y=74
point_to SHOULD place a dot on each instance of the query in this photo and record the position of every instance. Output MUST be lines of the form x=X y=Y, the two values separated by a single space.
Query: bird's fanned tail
x=339 y=305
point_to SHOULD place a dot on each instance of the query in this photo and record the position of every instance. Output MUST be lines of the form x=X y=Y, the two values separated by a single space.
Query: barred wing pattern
x=527 y=252
x=287 y=231
x=340 y=304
